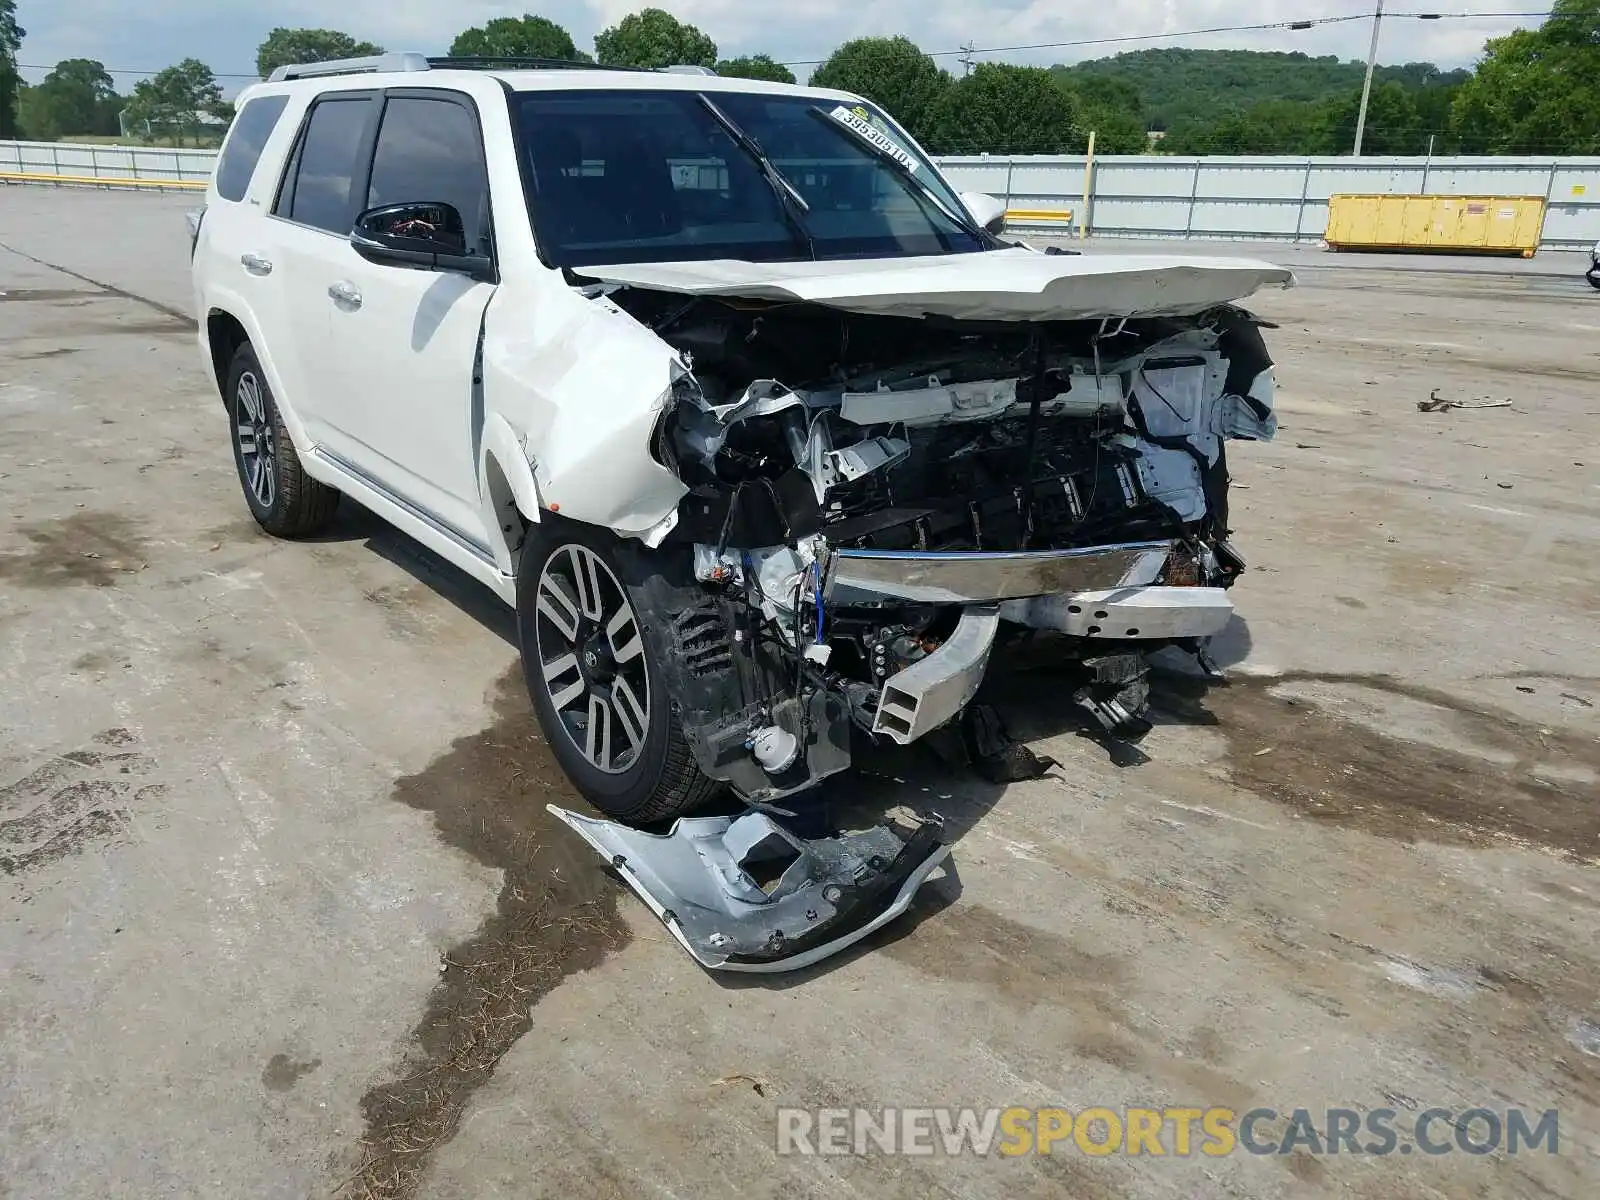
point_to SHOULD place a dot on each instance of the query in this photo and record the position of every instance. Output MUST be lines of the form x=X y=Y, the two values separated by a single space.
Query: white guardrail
x=1153 y=196
x=1271 y=197
x=86 y=165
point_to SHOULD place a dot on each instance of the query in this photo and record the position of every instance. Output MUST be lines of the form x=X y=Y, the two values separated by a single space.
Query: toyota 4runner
x=759 y=425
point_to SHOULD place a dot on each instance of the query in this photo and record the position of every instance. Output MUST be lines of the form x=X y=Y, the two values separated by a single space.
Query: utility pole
x=966 y=59
x=1366 y=88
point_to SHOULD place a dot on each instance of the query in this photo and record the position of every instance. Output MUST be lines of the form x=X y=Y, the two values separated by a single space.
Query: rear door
x=404 y=342
x=314 y=211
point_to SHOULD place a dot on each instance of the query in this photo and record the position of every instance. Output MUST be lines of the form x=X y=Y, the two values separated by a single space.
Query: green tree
x=32 y=122
x=654 y=38
x=757 y=66
x=11 y=35
x=285 y=46
x=76 y=98
x=1178 y=86
x=1002 y=109
x=170 y=103
x=1270 y=127
x=526 y=36
x=892 y=72
x=1536 y=91
x=1393 y=126
x=1110 y=107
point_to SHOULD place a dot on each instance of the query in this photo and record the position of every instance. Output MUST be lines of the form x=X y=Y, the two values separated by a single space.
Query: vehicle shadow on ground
x=473 y=599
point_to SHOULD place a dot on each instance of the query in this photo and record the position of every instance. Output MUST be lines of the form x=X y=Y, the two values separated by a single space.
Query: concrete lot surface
x=281 y=913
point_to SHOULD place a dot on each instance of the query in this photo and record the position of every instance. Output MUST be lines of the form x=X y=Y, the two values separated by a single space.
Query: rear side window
x=431 y=150
x=317 y=189
x=251 y=129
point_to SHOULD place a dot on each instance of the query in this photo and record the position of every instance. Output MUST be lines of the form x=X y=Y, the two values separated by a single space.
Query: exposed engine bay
x=874 y=500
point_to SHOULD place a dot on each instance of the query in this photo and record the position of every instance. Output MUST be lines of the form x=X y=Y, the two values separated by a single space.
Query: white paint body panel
x=398 y=372
x=1002 y=285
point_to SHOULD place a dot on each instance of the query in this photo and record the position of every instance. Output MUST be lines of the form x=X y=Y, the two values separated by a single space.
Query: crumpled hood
x=1001 y=285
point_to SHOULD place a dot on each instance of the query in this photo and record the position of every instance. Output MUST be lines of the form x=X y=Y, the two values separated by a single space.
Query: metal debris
x=1434 y=404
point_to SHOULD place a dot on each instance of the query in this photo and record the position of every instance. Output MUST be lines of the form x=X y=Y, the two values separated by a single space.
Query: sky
x=146 y=35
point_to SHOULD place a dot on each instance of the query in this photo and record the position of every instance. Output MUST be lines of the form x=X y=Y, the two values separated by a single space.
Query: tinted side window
x=319 y=194
x=432 y=150
x=249 y=134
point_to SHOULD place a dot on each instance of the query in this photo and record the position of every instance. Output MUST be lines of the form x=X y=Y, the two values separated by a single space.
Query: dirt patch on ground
x=70 y=801
x=86 y=549
x=54 y=352
x=556 y=915
x=1346 y=772
x=282 y=1072
x=38 y=295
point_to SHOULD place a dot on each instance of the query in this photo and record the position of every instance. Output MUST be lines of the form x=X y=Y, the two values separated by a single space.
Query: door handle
x=255 y=264
x=345 y=295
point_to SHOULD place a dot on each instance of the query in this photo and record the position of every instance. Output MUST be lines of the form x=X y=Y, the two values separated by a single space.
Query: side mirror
x=986 y=210
x=429 y=236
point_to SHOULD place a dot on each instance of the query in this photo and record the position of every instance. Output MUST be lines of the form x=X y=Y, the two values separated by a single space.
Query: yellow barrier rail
x=1039 y=214
x=100 y=180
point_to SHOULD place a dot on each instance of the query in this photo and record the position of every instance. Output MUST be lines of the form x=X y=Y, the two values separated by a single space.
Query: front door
x=403 y=343
x=312 y=213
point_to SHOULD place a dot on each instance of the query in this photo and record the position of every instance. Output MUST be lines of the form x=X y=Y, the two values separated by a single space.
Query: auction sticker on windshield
x=857 y=122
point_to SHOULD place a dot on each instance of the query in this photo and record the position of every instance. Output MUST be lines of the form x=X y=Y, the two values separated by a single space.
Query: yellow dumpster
x=1464 y=224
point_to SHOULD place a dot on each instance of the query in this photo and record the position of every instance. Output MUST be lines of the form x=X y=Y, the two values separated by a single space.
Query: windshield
x=653 y=176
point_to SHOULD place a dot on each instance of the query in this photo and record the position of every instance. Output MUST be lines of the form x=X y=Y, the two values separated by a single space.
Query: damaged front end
x=874 y=502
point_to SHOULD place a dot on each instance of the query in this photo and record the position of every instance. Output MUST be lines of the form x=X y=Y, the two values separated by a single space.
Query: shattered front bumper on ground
x=822 y=895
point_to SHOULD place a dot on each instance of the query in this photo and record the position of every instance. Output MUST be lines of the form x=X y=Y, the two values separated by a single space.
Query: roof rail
x=478 y=62
x=408 y=61
x=412 y=61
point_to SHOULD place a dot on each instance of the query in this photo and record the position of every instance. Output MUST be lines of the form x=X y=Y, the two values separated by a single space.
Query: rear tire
x=1594 y=279
x=284 y=500
x=592 y=655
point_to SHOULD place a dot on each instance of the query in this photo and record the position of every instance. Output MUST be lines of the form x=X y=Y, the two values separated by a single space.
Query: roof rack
x=408 y=61
x=489 y=63
x=412 y=61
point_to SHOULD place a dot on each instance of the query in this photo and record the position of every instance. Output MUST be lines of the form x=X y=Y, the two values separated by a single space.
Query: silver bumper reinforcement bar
x=977 y=577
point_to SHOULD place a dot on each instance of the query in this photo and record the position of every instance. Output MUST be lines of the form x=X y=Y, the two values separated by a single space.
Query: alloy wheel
x=258 y=449
x=591 y=658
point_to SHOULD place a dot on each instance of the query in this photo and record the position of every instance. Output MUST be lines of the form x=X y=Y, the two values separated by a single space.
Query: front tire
x=593 y=666
x=284 y=500
x=1594 y=278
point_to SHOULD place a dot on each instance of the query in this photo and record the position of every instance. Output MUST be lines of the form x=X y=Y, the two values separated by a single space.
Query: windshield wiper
x=791 y=201
x=906 y=171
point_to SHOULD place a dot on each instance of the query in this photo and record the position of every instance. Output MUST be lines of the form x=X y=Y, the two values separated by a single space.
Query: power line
x=1295 y=26
x=969 y=50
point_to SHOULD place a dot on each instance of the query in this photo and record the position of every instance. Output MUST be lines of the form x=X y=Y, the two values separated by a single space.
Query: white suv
x=759 y=425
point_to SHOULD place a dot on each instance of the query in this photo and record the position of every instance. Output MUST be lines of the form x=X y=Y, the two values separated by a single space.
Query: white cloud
x=224 y=33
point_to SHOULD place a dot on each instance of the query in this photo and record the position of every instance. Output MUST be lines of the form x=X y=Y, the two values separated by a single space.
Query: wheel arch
x=225 y=333
x=508 y=493
x=229 y=326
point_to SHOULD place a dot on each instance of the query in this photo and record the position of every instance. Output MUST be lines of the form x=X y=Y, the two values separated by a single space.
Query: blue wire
x=816 y=575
